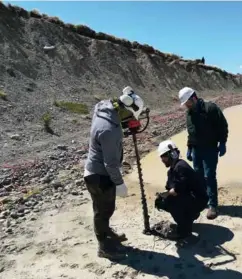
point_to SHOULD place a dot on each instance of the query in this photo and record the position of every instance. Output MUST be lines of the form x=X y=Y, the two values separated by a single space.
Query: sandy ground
x=229 y=167
x=61 y=244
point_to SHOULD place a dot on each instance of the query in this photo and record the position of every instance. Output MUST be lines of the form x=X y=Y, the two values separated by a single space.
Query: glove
x=163 y=195
x=222 y=149
x=189 y=154
x=172 y=192
x=159 y=201
x=122 y=190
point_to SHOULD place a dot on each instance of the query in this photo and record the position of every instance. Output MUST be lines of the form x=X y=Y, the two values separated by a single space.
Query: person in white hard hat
x=207 y=137
x=186 y=194
x=102 y=175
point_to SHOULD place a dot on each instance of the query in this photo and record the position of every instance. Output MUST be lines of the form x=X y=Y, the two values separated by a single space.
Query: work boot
x=180 y=232
x=107 y=250
x=175 y=235
x=115 y=236
x=212 y=213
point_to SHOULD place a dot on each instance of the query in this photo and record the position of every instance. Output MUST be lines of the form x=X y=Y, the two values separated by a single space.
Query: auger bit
x=134 y=127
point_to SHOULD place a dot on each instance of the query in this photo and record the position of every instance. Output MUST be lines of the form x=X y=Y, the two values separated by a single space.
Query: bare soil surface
x=45 y=210
x=58 y=242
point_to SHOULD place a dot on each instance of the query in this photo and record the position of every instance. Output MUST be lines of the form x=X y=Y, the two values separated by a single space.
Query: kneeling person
x=186 y=194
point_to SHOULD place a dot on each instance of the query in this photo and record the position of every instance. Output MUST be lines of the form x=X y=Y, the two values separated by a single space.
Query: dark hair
x=193 y=95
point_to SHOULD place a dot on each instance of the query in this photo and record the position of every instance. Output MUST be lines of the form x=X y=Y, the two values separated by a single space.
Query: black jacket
x=186 y=181
x=206 y=125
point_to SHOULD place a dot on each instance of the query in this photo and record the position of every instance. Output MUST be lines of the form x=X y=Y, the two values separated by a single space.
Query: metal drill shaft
x=143 y=197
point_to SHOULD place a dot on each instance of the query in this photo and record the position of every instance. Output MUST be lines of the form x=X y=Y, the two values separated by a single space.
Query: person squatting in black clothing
x=186 y=194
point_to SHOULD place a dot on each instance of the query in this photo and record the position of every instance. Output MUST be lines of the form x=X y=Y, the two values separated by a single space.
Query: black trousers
x=184 y=209
x=103 y=194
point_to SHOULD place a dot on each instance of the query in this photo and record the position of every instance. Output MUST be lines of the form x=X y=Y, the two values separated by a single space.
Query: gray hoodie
x=106 y=143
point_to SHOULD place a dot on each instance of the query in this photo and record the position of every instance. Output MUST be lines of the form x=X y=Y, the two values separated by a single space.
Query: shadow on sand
x=231 y=210
x=207 y=244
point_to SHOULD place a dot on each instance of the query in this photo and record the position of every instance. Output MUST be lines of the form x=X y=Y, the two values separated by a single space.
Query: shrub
x=126 y=43
x=74 y=121
x=72 y=107
x=176 y=56
x=23 y=13
x=85 y=31
x=55 y=20
x=159 y=53
x=71 y=27
x=136 y=45
x=35 y=13
x=18 y=11
x=31 y=193
x=102 y=36
x=10 y=7
x=148 y=49
x=46 y=118
x=3 y=95
x=113 y=39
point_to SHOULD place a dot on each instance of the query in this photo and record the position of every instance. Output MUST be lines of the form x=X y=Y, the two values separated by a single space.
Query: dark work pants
x=184 y=209
x=205 y=162
x=103 y=194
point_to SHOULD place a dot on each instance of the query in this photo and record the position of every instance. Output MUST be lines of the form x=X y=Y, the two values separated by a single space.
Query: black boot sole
x=118 y=239
x=111 y=257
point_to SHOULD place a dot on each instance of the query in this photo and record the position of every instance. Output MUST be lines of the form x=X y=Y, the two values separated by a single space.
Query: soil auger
x=133 y=127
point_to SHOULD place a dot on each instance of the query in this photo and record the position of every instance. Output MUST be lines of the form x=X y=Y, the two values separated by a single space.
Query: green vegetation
x=3 y=95
x=85 y=30
x=35 y=13
x=54 y=19
x=74 y=121
x=72 y=107
x=18 y=11
x=46 y=118
x=31 y=192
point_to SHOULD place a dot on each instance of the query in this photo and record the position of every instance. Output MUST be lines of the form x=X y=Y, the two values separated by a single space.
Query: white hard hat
x=164 y=147
x=184 y=94
x=132 y=101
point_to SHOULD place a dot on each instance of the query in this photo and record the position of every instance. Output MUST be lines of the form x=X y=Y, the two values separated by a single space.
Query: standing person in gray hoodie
x=102 y=174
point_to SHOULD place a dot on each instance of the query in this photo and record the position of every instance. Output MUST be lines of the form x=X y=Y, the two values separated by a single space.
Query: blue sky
x=189 y=29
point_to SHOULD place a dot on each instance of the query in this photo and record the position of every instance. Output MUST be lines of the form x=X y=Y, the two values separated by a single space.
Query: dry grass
x=3 y=95
x=72 y=107
x=46 y=118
